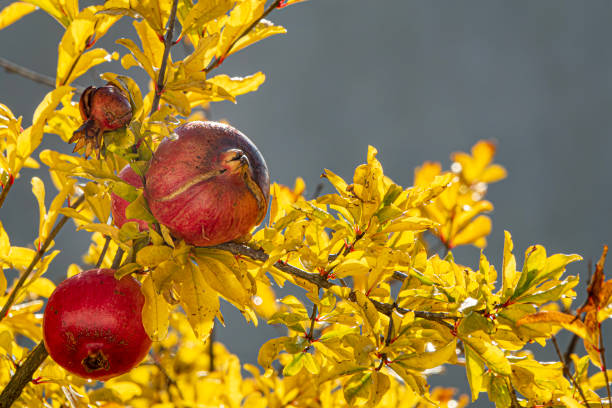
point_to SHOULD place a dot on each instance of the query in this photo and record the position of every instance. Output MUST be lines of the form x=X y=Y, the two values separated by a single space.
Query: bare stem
x=117 y=259
x=320 y=281
x=313 y=318
x=602 y=353
x=567 y=372
x=23 y=375
x=211 y=351
x=27 y=73
x=103 y=253
x=219 y=60
x=37 y=258
x=159 y=87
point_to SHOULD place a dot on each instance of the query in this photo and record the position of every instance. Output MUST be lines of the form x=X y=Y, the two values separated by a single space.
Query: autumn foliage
x=382 y=303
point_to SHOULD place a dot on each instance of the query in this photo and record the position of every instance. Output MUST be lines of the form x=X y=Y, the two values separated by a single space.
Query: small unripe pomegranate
x=103 y=109
x=92 y=325
x=118 y=204
x=209 y=185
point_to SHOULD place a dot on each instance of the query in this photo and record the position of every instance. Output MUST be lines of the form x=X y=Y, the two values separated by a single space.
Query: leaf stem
x=219 y=60
x=320 y=281
x=37 y=258
x=567 y=372
x=23 y=375
x=159 y=88
x=602 y=353
x=117 y=259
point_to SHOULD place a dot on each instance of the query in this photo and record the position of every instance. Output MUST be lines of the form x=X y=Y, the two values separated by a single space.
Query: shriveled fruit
x=92 y=325
x=119 y=205
x=209 y=185
x=103 y=109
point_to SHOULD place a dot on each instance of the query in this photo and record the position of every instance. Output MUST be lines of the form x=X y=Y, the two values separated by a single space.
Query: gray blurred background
x=418 y=80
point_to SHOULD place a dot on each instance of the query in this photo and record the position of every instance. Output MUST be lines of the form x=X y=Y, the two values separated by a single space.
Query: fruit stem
x=103 y=253
x=23 y=375
x=117 y=259
x=159 y=88
x=39 y=254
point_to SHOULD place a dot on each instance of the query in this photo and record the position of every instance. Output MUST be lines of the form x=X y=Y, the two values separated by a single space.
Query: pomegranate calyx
x=95 y=360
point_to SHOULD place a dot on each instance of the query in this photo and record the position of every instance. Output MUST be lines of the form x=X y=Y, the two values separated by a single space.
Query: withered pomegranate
x=92 y=325
x=103 y=109
x=209 y=185
x=118 y=204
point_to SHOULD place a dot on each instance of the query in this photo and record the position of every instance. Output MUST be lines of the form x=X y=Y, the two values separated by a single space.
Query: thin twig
x=602 y=353
x=169 y=380
x=513 y=397
x=219 y=60
x=567 y=357
x=567 y=372
x=5 y=190
x=23 y=375
x=37 y=258
x=320 y=281
x=103 y=253
x=159 y=87
x=117 y=259
x=27 y=73
x=313 y=318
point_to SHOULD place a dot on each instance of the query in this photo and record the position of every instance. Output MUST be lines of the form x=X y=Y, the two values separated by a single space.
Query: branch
x=23 y=375
x=567 y=372
x=103 y=253
x=604 y=368
x=5 y=190
x=159 y=87
x=37 y=257
x=219 y=60
x=320 y=281
x=27 y=73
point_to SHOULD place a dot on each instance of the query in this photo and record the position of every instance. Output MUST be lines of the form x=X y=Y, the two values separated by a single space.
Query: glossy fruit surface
x=92 y=325
x=103 y=109
x=209 y=185
x=119 y=205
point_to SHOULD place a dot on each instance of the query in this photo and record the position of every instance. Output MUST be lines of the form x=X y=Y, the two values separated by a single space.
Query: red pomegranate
x=209 y=185
x=103 y=109
x=118 y=204
x=92 y=325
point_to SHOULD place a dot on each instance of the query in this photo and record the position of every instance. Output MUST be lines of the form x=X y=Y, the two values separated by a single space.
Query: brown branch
x=23 y=375
x=27 y=73
x=513 y=397
x=117 y=259
x=159 y=87
x=320 y=281
x=103 y=253
x=211 y=351
x=37 y=258
x=219 y=60
x=567 y=372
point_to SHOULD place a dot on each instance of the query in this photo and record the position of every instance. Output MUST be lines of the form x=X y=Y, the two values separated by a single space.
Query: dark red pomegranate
x=92 y=325
x=103 y=109
x=209 y=185
x=118 y=204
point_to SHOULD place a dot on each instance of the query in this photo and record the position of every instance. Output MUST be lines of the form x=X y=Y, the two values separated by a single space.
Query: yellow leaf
x=199 y=300
x=570 y=402
x=52 y=8
x=357 y=388
x=241 y=17
x=136 y=58
x=152 y=47
x=474 y=233
x=490 y=354
x=567 y=321
x=239 y=85
x=263 y=29
x=155 y=312
x=368 y=311
x=153 y=255
x=38 y=189
x=269 y=351
x=427 y=360
x=203 y=12
x=475 y=370
x=14 y=12
x=201 y=57
x=409 y=223
x=89 y=59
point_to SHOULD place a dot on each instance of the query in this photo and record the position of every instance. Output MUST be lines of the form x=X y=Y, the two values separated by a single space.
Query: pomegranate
x=208 y=185
x=103 y=109
x=118 y=204
x=92 y=325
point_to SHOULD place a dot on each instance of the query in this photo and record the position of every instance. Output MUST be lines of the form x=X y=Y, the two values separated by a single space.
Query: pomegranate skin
x=92 y=325
x=209 y=185
x=118 y=204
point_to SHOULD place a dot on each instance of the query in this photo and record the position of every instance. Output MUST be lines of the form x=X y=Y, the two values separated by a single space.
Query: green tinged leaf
x=357 y=388
x=153 y=255
x=490 y=354
x=269 y=351
x=427 y=360
x=475 y=370
x=155 y=311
